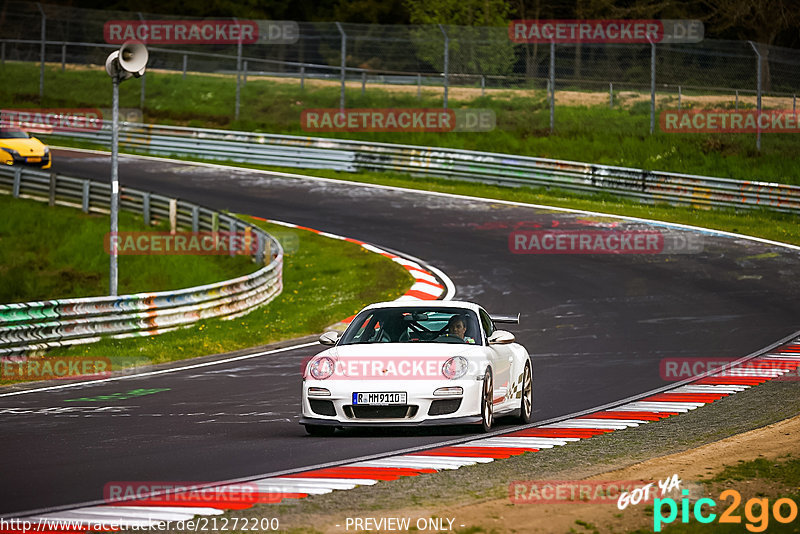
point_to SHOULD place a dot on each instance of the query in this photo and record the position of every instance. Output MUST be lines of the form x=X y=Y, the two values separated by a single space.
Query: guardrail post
x=63 y=56
x=215 y=222
x=17 y=182
x=185 y=64
x=343 y=63
x=446 y=62
x=231 y=235
x=302 y=78
x=173 y=215
x=610 y=95
x=42 y=50
x=644 y=181
x=52 y=199
x=146 y=208
x=260 y=239
x=195 y=219
x=85 y=197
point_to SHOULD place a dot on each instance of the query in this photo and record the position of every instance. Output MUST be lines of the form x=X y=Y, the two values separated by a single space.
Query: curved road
x=598 y=327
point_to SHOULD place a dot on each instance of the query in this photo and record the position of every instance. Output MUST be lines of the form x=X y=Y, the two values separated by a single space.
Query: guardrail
x=485 y=167
x=36 y=326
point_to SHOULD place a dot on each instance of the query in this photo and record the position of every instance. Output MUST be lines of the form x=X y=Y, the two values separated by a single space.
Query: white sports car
x=422 y=363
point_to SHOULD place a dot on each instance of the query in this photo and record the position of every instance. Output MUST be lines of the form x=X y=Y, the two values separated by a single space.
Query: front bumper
x=422 y=407
x=44 y=161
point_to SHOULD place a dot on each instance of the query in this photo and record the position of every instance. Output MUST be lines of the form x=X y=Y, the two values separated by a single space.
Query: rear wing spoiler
x=500 y=318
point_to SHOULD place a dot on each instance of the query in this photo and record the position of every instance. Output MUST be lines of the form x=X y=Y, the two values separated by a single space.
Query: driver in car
x=457 y=327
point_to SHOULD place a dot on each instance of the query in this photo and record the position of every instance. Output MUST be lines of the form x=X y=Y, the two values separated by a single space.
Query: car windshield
x=9 y=133
x=414 y=324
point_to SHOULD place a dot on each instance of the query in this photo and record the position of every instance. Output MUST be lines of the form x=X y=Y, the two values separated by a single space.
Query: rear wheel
x=487 y=402
x=320 y=430
x=526 y=403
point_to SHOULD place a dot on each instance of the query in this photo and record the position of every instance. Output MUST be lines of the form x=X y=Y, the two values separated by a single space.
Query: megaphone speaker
x=133 y=57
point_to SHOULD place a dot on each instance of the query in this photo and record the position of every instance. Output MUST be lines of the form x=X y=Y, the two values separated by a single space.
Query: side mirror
x=501 y=337
x=329 y=338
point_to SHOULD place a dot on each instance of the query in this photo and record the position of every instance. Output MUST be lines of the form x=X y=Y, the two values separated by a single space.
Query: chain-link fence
x=441 y=56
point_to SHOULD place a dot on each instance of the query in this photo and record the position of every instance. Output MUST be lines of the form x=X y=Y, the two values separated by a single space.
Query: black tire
x=487 y=401
x=526 y=403
x=320 y=430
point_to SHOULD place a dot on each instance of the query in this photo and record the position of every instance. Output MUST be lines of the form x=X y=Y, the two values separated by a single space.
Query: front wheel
x=320 y=430
x=526 y=403
x=487 y=402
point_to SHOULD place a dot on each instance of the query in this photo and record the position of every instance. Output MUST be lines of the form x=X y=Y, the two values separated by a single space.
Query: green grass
x=57 y=252
x=319 y=289
x=590 y=134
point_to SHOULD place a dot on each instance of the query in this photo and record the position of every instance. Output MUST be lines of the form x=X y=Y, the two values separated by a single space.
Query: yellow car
x=19 y=148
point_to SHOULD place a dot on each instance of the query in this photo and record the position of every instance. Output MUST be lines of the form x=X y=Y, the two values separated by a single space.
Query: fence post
x=85 y=200
x=446 y=62
x=43 y=37
x=302 y=77
x=231 y=236
x=483 y=85
x=238 y=72
x=185 y=64
x=552 y=85
x=679 y=98
x=3 y=54
x=343 y=63
x=363 y=82
x=244 y=73
x=214 y=221
x=652 y=87
x=63 y=56
x=173 y=215
x=737 y=100
x=610 y=95
x=52 y=199
x=195 y=219
x=260 y=242
x=794 y=103
x=17 y=182
x=146 y=209
x=419 y=86
x=758 y=96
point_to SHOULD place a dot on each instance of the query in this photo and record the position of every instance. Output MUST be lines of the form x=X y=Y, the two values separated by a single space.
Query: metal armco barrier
x=36 y=326
x=485 y=167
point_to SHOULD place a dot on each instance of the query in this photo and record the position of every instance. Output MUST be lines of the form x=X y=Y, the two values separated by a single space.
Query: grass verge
x=319 y=289
x=618 y=136
x=38 y=259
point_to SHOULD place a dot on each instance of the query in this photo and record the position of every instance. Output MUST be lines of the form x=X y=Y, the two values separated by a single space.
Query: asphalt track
x=598 y=327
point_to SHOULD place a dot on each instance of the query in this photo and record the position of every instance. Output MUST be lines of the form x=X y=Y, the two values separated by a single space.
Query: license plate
x=380 y=398
x=34 y=160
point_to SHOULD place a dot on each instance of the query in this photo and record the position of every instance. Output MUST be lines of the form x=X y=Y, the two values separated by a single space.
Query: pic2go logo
x=756 y=511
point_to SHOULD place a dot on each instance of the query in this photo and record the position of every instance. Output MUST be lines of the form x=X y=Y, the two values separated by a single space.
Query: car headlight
x=46 y=150
x=455 y=367
x=321 y=368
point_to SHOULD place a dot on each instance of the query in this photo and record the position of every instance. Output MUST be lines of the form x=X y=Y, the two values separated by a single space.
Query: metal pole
x=552 y=83
x=758 y=96
x=302 y=78
x=363 y=82
x=343 y=64
x=611 y=95
x=142 y=94
x=652 y=87
x=63 y=56
x=185 y=64
x=446 y=62
x=737 y=100
x=113 y=273
x=244 y=73
x=794 y=103
x=483 y=85
x=679 y=98
x=419 y=85
x=3 y=53
x=42 y=51
x=238 y=74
